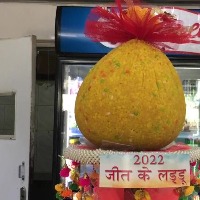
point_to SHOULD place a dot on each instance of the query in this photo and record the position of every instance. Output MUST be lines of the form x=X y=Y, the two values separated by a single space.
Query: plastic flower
x=66 y=193
x=142 y=195
x=59 y=187
x=73 y=164
x=58 y=196
x=188 y=190
x=84 y=181
x=64 y=172
x=73 y=187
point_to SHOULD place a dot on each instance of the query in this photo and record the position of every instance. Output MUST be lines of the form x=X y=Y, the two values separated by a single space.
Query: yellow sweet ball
x=132 y=96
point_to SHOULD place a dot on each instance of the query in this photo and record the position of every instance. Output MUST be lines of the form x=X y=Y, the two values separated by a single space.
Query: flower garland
x=87 y=186
x=79 y=187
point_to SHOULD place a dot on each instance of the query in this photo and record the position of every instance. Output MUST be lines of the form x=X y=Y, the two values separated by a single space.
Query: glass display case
x=73 y=75
x=77 y=55
x=190 y=77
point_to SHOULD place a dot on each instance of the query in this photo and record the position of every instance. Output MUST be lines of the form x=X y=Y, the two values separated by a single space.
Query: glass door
x=190 y=78
x=70 y=75
x=73 y=76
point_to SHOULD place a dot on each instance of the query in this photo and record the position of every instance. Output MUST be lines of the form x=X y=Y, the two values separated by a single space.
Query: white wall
x=23 y=19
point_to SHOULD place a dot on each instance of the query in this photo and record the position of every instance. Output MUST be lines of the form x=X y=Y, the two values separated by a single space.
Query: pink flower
x=84 y=181
x=64 y=172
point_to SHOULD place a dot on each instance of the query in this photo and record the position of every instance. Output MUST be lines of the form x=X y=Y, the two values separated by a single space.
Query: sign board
x=144 y=170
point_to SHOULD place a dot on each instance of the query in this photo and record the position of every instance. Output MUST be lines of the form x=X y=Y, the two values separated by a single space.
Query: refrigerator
x=77 y=54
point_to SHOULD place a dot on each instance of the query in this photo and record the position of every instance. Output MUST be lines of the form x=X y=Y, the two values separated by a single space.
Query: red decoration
x=64 y=172
x=66 y=193
x=119 y=25
x=75 y=164
x=84 y=181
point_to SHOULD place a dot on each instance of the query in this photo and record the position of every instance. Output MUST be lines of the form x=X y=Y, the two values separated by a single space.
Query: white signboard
x=144 y=170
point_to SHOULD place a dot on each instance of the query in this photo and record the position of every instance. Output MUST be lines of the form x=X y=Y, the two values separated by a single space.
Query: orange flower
x=66 y=193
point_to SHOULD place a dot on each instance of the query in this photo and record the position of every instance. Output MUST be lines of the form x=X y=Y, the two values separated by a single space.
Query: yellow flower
x=188 y=190
x=142 y=195
x=59 y=187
